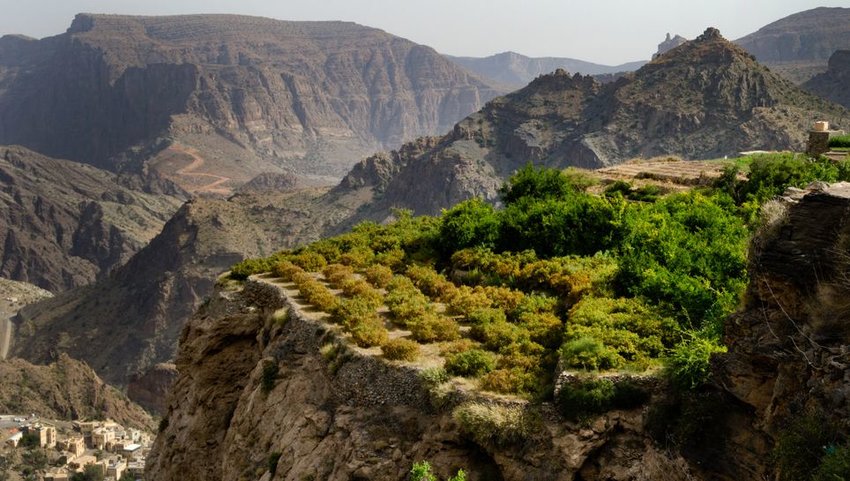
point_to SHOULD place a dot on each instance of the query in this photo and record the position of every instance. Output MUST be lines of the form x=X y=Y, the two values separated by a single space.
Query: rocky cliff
x=788 y=355
x=261 y=377
x=234 y=96
x=64 y=224
x=668 y=44
x=833 y=84
x=799 y=45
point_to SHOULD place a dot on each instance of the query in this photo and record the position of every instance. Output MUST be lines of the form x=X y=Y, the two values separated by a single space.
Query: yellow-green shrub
x=509 y=381
x=285 y=270
x=401 y=349
x=360 y=288
x=357 y=257
x=379 y=275
x=368 y=331
x=336 y=274
x=464 y=300
x=351 y=311
x=309 y=261
x=434 y=328
x=429 y=281
x=393 y=258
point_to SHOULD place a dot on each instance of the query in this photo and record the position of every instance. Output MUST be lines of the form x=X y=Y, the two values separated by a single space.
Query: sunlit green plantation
x=557 y=276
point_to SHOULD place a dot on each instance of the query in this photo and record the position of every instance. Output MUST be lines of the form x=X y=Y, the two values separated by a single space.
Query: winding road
x=197 y=163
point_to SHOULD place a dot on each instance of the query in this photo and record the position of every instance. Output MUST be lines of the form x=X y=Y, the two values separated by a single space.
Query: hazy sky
x=603 y=31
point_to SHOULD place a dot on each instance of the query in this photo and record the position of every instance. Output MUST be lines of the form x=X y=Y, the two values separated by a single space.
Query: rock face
x=788 y=345
x=234 y=96
x=809 y=35
x=705 y=99
x=335 y=412
x=65 y=389
x=668 y=44
x=832 y=85
x=65 y=224
x=150 y=389
x=515 y=70
x=798 y=46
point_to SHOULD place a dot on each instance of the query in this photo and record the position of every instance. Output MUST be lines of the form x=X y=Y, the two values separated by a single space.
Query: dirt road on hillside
x=197 y=163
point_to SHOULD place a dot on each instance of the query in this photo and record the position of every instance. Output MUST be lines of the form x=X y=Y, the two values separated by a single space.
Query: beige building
x=116 y=468
x=102 y=437
x=76 y=445
x=46 y=434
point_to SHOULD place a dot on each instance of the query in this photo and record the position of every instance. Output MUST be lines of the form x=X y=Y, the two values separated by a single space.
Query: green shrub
x=309 y=261
x=362 y=289
x=598 y=395
x=286 y=270
x=249 y=267
x=336 y=274
x=465 y=300
x=840 y=141
x=434 y=376
x=434 y=328
x=509 y=381
x=482 y=317
x=400 y=350
x=269 y=376
x=274 y=458
x=496 y=335
x=368 y=331
x=688 y=365
x=472 y=363
x=393 y=258
x=379 y=275
x=351 y=311
x=421 y=471
x=530 y=182
x=589 y=353
x=357 y=257
x=800 y=447
x=835 y=465
x=470 y=223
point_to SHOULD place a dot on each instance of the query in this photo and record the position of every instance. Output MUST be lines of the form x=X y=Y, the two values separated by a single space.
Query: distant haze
x=602 y=31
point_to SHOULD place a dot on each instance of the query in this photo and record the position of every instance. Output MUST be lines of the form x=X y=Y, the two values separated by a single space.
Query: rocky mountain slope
x=834 y=84
x=214 y=100
x=64 y=224
x=65 y=389
x=799 y=45
x=704 y=99
x=128 y=322
x=515 y=70
x=13 y=296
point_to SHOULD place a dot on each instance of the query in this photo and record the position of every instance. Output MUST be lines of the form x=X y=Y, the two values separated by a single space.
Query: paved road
x=5 y=337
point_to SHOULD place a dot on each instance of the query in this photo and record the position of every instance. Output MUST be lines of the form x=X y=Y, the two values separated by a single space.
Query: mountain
x=833 y=84
x=211 y=101
x=64 y=224
x=65 y=389
x=724 y=102
x=668 y=44
x=799 y=45
x=516 y=71
x=128 y=322
x=704 y=99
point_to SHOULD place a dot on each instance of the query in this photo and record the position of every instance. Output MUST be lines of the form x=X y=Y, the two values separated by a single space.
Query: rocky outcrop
x=260 y=376
x=65 y=224
x=788 y=345
x=150 y=389
x=832 y=84
x=246 y=95
x=668 y=44
x=515 y=70
x=66 y=389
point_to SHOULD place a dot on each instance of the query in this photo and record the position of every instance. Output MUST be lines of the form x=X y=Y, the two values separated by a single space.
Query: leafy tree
x=530 y=182
x=472 y=223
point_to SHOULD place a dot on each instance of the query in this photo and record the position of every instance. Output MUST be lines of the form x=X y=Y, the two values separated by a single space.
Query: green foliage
x=401 y=350
x=800 y=448
x=379 y=275
x=269 y=377
x=309 y=261
x=589 y=353
x=688 y=365
x=539 y=184
x=421 y=471
x=273 y=459
x=249 y=267
x=598 y=395
x=434 y=376
x=686 y=252
x=835 y=465
x=577 y=223
x=471 y=363
x=433 y=327
x=840 y=141
x=470 y=223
